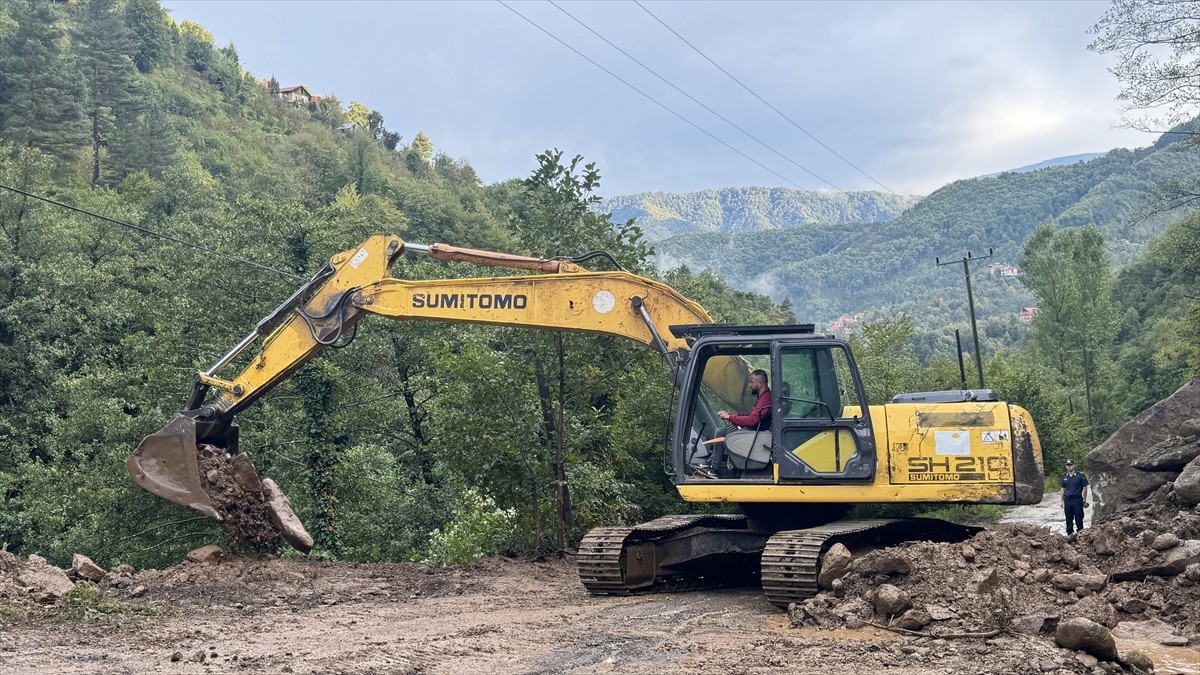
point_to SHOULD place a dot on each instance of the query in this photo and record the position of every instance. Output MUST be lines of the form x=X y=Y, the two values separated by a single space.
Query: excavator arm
x=559 y=294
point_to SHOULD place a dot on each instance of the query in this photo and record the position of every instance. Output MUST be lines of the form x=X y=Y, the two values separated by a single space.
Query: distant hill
x=1047 y=163
x=749 y=209
x=834 y=268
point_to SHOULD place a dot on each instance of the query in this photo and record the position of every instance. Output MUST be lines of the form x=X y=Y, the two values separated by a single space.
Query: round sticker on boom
x=604 y=301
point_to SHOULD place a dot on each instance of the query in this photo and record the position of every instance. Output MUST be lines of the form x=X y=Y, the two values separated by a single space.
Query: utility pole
x=966 y=263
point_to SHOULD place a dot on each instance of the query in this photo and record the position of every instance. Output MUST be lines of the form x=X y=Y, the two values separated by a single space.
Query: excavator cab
x=818 y=431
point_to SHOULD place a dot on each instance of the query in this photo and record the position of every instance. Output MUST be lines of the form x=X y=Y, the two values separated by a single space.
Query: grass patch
x=966 y=513
x=86 y=602
x=10 y=614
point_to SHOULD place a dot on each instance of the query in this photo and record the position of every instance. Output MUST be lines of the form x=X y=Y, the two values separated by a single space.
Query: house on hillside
x=1027 y=314
x=296 y=94
x=1003 y=270
x=844 y=324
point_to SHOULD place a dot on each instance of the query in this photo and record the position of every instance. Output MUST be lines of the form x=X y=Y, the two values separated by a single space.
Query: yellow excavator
x=820 y=450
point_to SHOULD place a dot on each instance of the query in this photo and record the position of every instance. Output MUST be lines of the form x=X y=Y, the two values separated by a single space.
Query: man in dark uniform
x=1074 y=497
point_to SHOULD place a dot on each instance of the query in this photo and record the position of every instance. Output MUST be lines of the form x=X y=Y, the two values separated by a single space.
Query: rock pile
x=1137 y=574
x=34 y=582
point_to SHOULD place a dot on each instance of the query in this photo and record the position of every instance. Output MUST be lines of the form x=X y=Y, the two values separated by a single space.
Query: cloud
x=915 y=94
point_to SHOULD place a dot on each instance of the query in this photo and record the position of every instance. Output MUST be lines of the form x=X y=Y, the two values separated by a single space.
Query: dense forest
x=158 y=200
x=213 y=197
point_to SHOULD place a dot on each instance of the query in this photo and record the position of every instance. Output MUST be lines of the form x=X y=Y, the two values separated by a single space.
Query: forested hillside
x=749 y=209
x=214 y=198
x=881 y=268
x=188 y=198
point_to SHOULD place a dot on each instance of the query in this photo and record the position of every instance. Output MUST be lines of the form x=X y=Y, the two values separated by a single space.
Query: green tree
x=420 y=151
x=556 y=217
x=1070 y=274
x=40 y=90
x=358 y=114
x=153 y=33
x=1157 y=44
x=886 y=359
x=103 y=44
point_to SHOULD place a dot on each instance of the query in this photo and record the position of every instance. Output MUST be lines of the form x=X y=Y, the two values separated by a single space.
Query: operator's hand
x=723 y=414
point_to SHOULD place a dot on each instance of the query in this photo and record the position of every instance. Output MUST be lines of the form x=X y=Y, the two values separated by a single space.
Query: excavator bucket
x=166 y=464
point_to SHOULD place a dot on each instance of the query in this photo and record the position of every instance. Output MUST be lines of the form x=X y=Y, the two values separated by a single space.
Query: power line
x=150 y=232
x=692 y=98
x=760 y=98
x=649 y=97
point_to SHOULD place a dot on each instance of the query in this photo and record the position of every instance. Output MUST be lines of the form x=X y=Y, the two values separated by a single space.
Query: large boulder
x=1150 y=630
x=1169 y=563
x=1187 y=484
x=1170 y=455
x=39 y=577
x=1116 y=484
x=834 y=565
x=890 y=601
x=86 y=569
x=1087 y=636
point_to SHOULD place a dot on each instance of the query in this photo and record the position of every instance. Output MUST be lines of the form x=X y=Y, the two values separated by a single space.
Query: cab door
x=822 y=429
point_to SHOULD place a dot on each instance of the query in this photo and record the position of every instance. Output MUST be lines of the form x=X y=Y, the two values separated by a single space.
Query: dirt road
x=505 y=616
x=494 y=616
x=1048 y=513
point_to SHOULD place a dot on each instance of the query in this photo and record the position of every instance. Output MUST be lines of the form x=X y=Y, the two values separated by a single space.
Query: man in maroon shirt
x=759 y=418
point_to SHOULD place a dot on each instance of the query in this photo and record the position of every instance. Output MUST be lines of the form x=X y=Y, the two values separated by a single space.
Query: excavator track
x=791 y=560
x=654 y=557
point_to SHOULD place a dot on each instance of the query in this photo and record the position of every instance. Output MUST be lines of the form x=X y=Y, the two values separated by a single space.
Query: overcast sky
x=915 y=94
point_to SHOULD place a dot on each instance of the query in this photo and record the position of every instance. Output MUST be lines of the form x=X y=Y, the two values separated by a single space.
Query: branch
x=987 y=634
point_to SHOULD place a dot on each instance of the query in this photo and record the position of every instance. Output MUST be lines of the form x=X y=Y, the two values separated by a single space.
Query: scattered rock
x=285 y=519
x=984 y=581
x=41 y=577
x=1187 y=483
x=87 y=569
x=939 y=613
x=206 y=554
x=1069 y=582
x=834 y=565
x=1087 y=636
x=177 y=656
x=1035 y=624
x=913 y=619
x=1093 y=607
x=1150 y=630
x=1173 y=562
x=1164 y=541
x=889 y=601
x=1136 y=661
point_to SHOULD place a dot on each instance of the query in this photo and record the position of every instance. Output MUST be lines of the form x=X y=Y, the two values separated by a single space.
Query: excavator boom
x=559 y=294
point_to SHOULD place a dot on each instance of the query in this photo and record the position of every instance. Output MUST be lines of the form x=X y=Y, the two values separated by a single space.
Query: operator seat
x=750 y=449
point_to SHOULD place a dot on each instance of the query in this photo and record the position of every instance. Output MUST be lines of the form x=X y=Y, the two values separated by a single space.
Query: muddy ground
x=509 y=616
